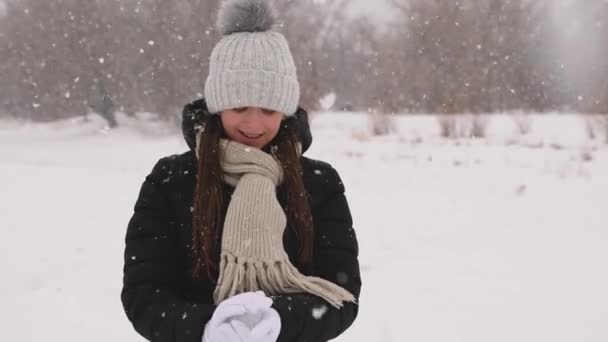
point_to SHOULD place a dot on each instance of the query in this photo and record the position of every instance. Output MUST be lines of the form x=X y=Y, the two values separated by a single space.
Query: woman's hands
x=246 y=317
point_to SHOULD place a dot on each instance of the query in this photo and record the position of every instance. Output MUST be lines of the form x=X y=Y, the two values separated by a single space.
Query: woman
x=242 y=238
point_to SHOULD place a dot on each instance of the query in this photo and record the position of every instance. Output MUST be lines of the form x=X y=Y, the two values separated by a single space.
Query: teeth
x=251 y=136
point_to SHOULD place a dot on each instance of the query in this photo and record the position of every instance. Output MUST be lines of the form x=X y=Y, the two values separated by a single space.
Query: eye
x=268 y=111
x=240 y=109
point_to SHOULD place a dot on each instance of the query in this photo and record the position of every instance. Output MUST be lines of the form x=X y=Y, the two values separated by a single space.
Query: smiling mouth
x=251 y=136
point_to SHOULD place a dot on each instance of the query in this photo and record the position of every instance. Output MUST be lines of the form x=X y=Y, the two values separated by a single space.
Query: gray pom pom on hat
x=251 y=66
x=246 y=16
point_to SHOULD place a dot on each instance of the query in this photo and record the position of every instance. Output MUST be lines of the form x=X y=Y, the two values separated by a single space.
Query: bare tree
x=65 y=57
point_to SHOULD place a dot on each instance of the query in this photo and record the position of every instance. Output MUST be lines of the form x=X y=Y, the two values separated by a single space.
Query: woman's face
x=252 y=126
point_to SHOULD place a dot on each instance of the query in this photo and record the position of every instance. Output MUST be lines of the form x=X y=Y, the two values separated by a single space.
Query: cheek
x=231 y=134
x=274 y=123
x=274 y=128
x=230 y=124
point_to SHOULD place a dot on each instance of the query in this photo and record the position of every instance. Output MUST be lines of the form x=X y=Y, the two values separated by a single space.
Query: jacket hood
x=193 y=111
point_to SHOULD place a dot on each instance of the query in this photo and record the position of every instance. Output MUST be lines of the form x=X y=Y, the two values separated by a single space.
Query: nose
x=252 y=117
x=253 y=113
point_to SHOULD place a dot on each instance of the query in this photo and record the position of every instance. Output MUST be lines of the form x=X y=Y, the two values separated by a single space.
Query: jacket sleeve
x=309 y=318
x=150 y=293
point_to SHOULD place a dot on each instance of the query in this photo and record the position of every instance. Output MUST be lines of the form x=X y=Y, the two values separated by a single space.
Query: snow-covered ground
x=500 y=239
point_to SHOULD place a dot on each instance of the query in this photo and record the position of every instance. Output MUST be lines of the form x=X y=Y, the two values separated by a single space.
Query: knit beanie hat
x=251 y=66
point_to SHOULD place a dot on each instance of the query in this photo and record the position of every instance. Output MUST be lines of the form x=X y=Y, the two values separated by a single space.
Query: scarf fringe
x=276 y=277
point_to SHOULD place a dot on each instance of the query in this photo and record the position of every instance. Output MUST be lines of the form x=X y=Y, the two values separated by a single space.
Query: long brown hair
x=209 y=202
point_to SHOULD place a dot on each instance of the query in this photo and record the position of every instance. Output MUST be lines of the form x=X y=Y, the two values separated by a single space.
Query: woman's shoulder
x=316 y=166
x=174 y=165
x=320 y=177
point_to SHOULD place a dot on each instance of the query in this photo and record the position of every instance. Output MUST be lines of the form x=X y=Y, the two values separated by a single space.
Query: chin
x=251 y=144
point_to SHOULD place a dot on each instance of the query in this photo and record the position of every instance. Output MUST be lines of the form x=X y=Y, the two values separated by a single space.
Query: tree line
x=62 y=58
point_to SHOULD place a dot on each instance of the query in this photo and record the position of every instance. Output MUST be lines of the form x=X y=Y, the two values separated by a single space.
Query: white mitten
x=245 y=306
x=262 y=327
x=269 y=327
x=217 y=330
x=254 y=302
x=224 y=333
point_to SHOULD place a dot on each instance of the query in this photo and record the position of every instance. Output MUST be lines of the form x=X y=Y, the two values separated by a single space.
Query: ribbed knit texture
x=252 y=69
x=252 y=256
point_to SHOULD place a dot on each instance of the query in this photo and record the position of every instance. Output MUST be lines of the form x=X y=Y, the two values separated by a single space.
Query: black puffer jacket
x=163 y=301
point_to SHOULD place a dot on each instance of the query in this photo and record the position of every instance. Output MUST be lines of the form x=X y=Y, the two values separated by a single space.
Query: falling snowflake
x=319 y=312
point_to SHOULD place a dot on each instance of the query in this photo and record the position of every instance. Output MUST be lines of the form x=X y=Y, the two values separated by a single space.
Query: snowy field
x=473 y=240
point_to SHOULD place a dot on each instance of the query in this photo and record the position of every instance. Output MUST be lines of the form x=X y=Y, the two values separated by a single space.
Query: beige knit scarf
x=253 y=257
